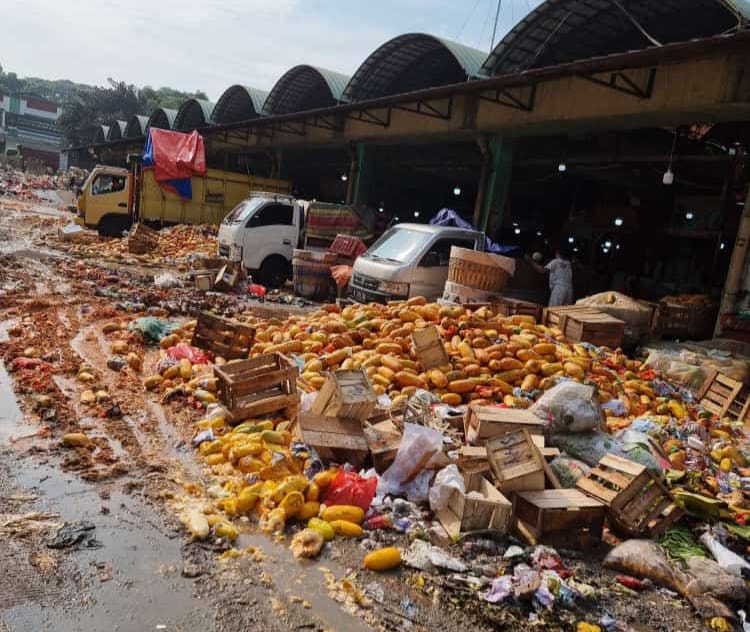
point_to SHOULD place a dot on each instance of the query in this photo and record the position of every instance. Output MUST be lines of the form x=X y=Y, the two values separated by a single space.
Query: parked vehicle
x=112 y=198
x=263 y=230
x=409 y=260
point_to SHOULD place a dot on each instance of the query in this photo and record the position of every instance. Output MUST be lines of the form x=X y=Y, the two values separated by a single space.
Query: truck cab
x=262 y=231
x=409 y=260
x=104 y=201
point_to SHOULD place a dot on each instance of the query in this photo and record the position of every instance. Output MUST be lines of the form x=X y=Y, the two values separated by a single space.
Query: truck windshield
x=399 y=245
x=241 y=212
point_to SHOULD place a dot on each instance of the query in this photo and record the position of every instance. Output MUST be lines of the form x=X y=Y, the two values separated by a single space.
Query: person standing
x=560 y=270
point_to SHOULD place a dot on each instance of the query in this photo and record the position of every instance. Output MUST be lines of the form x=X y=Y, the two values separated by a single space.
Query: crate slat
x=231 y=340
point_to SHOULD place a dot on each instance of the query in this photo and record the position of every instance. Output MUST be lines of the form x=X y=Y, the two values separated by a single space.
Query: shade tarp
x=175 y=158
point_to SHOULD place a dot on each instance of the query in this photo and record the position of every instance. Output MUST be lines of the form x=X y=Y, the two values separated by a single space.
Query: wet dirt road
x=134 y=568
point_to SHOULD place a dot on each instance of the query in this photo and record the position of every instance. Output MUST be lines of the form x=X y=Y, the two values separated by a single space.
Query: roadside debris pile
x=175 y=245
x=410 y=422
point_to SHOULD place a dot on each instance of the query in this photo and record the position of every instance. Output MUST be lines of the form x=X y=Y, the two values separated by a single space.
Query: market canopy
x=412 y=62
x=305 y=88
x=238 y=103
x=560 y=31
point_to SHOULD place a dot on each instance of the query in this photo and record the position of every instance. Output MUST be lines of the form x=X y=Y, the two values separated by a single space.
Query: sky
x=211 y=44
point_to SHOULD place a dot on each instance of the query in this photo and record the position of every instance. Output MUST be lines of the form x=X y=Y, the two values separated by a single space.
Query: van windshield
x=241 y=212
x=399 y=245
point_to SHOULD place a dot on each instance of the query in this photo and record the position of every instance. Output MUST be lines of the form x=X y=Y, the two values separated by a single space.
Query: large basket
x=480 y=270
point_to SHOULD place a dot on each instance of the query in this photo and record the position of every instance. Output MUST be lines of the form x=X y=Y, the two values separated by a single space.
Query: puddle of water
x=146 y=589
x=12 y=422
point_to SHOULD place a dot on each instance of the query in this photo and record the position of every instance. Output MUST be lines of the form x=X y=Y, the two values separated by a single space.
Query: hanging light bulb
x=608 y=244
x=689 y=215
x=416 y=213
x=571 y=240
x=517 y=231
x=539 y=233
x=722 y=245
x=668 y=177
x=344 y=177
x=562 y=167
x=619 y=221
x=457 y=190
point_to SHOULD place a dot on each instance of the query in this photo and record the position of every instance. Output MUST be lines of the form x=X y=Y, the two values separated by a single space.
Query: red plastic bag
x=257 y=289
x=349 y=488
x=183 y=350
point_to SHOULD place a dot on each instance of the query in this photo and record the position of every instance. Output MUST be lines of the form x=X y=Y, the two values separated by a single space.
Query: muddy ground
x=136 y=569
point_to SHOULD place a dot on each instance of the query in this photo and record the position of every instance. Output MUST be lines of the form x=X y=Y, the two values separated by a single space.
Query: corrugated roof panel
x=412 y=62
x=136 y=126
x=561 y=31
x=162 y=118
x=305 y=88
x=194 y=113
x=238 y=103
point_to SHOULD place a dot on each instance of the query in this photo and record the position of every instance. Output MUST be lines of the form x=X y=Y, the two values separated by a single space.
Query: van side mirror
x=430 y=260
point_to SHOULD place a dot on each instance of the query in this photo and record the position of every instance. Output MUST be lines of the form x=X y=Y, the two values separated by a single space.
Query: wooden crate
x=335 y=440
x=686 y=320
x=347 y=395
x=429 y=348
x=637 y=502
x=559 y=517
x=583 y=324
x=142 y=239
x=467 y=513
x=486 y=422
x=516 y=462
x=506 y=306
x=725 y=397
x=228 y=339
x=259 y=386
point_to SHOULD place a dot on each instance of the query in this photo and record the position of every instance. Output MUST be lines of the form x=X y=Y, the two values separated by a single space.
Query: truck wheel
x=114 y=225
x=274 y=271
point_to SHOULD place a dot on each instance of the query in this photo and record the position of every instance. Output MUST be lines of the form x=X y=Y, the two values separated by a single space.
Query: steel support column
x=737 y=264
x=495 y=183
x=363 y=176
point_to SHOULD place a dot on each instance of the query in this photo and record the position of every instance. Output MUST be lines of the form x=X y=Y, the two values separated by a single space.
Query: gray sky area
x=209 y=45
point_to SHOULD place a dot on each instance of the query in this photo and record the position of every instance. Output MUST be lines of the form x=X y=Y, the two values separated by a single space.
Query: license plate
x=359 y=296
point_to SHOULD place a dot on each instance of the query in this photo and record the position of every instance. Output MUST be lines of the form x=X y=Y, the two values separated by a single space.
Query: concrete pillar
x=494 y=184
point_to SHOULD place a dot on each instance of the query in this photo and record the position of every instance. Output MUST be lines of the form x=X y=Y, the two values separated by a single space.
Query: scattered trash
x=71 y=534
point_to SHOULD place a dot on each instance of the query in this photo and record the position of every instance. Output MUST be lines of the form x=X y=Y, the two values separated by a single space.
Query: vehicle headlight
x=391 y=287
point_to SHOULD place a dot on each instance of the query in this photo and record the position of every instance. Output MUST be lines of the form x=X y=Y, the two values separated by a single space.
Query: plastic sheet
x=153 y=329
x=590 y=447
x=568 y=470
x=188 y=352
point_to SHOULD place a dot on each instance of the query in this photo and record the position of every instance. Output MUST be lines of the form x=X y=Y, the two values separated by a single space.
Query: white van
x=409 y=260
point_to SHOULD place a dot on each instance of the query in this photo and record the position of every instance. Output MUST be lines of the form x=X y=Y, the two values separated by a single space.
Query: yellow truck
x=112 y=198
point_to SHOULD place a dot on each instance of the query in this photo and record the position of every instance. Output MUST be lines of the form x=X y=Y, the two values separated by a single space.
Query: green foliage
x=85 y=106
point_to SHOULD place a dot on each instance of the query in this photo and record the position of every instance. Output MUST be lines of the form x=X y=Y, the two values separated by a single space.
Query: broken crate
x=486 y=422
x=638 y=503
x=429 y=348
x=481 y=507
x=230 y=340
x=335 y=440
x=347 y=395
x=259 y=386
x=516 y=462
x=558 y=517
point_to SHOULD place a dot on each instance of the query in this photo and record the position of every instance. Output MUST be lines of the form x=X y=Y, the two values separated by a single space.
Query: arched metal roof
x=162 y=118
x=194 y=113
x=305 y=88
x=412 y=62
x=560 y=31
x=136 y=126
x=116 y=130
x=101 y=132
x=238 y=103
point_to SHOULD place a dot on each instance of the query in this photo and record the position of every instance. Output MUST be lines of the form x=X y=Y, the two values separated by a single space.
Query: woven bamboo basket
x=480 y=270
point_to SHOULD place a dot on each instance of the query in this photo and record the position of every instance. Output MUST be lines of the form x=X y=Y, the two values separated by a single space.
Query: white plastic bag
x=447 y=479
x=569 y=407
x=166 y=280
x=410 y=473
x=727 y=559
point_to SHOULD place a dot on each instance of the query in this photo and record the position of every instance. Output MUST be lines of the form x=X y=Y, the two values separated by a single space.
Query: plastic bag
x=410 y=474
x=183 y=350
x=349 y=488
x=728 y=560
x=590 y=447
x=569 y=407
x=568 y=470
x=447 y=479
x=705 y=576
x=166 y=280
x=153 y=329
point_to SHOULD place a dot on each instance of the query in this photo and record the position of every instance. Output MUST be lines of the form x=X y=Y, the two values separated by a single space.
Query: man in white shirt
x=560 y=271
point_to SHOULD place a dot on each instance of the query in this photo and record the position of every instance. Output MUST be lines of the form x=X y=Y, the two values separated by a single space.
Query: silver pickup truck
x=409 y=260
